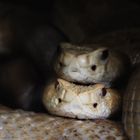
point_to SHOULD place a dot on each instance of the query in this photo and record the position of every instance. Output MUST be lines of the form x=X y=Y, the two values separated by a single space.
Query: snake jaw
x=84 y=102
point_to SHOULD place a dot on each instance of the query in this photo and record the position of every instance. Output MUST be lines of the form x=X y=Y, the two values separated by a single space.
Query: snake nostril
x=95 y=105
x=93 y=67
x=105 y=54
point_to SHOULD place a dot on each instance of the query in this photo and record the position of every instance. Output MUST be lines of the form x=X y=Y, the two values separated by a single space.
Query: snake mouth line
x=81 y=84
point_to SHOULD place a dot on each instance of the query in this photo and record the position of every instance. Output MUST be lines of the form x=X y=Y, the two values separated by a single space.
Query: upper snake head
x=88 y=65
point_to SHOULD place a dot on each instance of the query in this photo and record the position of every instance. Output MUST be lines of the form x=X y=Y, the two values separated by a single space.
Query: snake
x=127 y=40
x=30 y=125
x=84 y=64
x=131 y=106
x=78 y=101
x=19 y=124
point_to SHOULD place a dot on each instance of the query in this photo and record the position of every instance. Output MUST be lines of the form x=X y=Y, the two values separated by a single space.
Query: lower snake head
x=84 y=102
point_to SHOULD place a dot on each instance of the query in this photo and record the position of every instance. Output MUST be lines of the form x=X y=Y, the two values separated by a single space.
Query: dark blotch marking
x=104 y=92
x=95 y=105
x=93 y=67
x=104 y=55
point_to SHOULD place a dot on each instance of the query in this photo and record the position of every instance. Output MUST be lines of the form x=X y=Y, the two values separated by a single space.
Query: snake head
x=84 y=102
x=87 y=65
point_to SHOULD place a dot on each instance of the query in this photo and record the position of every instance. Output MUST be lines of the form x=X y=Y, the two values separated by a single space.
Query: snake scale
x=17 y=125
x=131 y=107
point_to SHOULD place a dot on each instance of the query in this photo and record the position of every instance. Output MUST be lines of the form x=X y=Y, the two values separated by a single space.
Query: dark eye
x=93 y=67
x=95 y=105
x=104 y=91
x=105 y=54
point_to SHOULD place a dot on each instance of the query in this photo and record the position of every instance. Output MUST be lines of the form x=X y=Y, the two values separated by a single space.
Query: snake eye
x=105 y=54
x=104 y=92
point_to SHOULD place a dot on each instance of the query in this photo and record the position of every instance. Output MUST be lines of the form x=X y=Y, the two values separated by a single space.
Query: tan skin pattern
x=17 y=125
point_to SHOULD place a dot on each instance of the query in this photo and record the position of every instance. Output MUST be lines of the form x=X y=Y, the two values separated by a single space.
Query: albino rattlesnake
x=42 y=126
x=78 y=101
x=96 y=64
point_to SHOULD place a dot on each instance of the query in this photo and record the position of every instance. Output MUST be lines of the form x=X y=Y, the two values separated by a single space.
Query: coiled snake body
x=17 y=125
